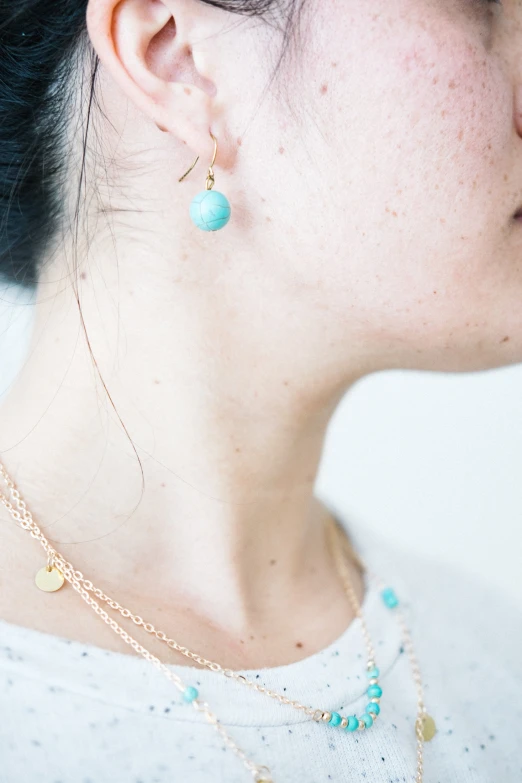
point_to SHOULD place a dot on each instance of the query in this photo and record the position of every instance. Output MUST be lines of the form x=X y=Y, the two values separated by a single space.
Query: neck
x=183 y=459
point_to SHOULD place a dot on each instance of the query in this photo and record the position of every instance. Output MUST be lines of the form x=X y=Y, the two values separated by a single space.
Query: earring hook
x=210 y=175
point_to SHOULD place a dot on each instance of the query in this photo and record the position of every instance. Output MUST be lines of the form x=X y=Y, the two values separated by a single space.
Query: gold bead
x=428 y=727
x=261 y=775
x=361 y=726
x=374 y=681
x=327 y=716
x=318 y=716
x=344 y=723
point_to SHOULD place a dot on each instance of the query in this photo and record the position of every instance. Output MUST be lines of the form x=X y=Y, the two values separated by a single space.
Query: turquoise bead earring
x=209 y=210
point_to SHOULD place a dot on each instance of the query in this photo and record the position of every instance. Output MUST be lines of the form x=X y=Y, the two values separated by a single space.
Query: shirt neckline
x=333 y=678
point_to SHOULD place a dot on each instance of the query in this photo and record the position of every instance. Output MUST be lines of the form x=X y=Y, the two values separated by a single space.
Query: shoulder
x=454 y=611
x=456 y=594
x=465 y=621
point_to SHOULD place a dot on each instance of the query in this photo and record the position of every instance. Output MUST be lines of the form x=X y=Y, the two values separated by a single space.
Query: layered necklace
x=52 y=576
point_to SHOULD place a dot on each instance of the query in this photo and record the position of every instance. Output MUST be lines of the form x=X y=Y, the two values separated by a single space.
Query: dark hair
x=41 y=44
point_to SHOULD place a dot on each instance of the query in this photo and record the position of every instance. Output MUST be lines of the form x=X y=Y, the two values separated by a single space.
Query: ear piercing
x=210 y=209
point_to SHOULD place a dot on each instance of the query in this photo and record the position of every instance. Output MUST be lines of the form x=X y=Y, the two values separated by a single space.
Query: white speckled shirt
x=76 y=713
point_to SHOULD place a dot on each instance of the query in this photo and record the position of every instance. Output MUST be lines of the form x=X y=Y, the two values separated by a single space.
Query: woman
x=167 y=426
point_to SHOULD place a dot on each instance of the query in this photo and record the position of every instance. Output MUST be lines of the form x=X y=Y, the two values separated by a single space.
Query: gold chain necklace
x=53 y=575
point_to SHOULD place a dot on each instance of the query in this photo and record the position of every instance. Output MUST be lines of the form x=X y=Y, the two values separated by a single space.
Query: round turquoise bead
x=190 y=694
x=336 y=719
x=373 y=673
x=210 y=210
x=353 y=723
x=374 y=691
x=367 y=720
x=389 y=597
x=373 y=707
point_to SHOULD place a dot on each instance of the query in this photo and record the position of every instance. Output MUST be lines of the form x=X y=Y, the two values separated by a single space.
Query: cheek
x=413 y=81
x=419 y=132
x=428 y=147
x=450 y=147
x=454 y=98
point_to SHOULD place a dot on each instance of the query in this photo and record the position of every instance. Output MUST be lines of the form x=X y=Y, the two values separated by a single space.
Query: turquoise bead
x=367 y=720
x=353 y=723
x=389 y=597
x=373 y=673
x=190 y=694
x=374 y=691
x=210 y=210
x=373 y=707
x=336 y=719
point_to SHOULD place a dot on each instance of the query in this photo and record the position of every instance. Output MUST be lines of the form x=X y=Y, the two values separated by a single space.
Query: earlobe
x=138 y=43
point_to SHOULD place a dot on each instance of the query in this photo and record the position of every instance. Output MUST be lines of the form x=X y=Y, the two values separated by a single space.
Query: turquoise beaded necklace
x=51 y=578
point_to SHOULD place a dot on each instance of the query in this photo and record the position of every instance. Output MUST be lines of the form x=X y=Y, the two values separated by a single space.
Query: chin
x=475 y=361
x=477 y=355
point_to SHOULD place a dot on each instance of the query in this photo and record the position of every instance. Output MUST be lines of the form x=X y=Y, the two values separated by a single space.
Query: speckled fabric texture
x=75 y=713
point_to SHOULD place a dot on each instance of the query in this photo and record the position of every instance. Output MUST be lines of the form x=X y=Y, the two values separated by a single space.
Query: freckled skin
x=397 y=190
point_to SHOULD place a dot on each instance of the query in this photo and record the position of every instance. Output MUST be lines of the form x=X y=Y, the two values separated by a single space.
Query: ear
x=158 y=52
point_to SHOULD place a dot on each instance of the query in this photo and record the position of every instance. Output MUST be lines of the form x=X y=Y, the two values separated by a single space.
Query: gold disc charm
x=428 y=727
x=49 y=579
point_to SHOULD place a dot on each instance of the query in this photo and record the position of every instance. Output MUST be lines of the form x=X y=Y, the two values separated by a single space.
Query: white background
x=433 y=461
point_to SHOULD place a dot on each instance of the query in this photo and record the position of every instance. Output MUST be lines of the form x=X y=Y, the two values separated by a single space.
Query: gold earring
x=210 y=210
